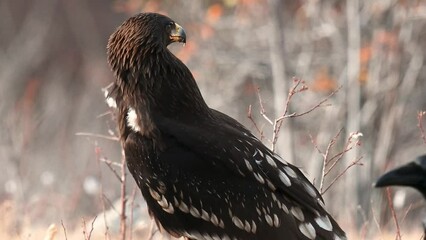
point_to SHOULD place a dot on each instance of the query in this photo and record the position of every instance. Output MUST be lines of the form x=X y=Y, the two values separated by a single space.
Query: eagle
x=202 y=173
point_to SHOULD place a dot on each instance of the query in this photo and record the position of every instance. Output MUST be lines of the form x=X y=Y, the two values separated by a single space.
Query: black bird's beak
x=403 y=176
x=411 y=175
x=178 y=34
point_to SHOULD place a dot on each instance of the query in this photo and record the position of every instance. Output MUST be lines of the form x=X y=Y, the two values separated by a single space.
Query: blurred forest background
x=53 y=68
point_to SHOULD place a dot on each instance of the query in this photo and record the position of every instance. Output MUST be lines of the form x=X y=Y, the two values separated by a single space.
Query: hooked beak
x=178 y=34
x=406 y=175
x=411 y=175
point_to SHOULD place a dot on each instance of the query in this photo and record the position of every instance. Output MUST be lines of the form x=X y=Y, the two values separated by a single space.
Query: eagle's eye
x=169 y=26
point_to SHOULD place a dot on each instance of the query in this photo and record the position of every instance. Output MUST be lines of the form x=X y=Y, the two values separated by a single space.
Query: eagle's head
x=145 y=34
x=147 y=73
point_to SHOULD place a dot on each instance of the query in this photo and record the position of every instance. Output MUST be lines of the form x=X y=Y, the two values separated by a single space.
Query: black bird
x=412 y=175
x=203 y=174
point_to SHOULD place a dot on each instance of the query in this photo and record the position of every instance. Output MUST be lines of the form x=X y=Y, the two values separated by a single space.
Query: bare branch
x=102 y=196
x=406 y=213
x=110 y=203
x=313 y=141
x=331 y=144
x=262 y=109
x=107 y=113
x=319 y=104
x=65 y=230
x=375 y=220
x=84 y=229
x=420 y=116
x=151 y=231
x=357 y=162
x=123 y=198
x=347 y=148
x=109 y=162
x=325 y=156
x=363 y=230
x=279 y=121
x=91 y=229
x=334 y=160
x=258 y=129
x=110 y=165
x=97 y=136
x=293 y=90
x=389 y=197
x=132 y=206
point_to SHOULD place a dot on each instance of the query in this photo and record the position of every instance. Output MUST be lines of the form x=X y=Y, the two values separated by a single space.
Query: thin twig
x=110 y=204
x=123 y=198
x=110 y=165
x=262 y=109
x=324 y=161
x=332 y=142
x=91 y=229
x=325 y=156
x=363 y=231
x=420 y=116
x=84 y=229
x=258 y=129
x=406 y=213
x=107 y=113
x=101 y=193
x=279 y=121
x=340 y=155
x=357 y=162
x=292 y=92
x=398 y=231
x=319 y=104
x=315 y=144
x=65 y=230
x=376 y=221
x=151 y=231
x=109 y=162
x=132 y=208
x=97 y=136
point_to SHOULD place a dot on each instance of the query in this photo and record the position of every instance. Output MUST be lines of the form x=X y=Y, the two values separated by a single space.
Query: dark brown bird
x=203 y=174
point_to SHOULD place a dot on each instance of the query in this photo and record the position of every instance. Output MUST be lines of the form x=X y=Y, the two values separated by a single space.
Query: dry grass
x=55 y=231
x=413 y=234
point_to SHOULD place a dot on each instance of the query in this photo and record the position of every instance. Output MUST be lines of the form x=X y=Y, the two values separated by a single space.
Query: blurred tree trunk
x=396 y=105
x=279 y=82
x=353 y=99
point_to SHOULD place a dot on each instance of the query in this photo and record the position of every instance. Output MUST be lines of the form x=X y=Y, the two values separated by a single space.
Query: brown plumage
x=203 y=174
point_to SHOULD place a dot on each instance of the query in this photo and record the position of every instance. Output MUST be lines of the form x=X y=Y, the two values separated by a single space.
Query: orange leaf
x=214 y=12
x=365 y=54
x=323 y=81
